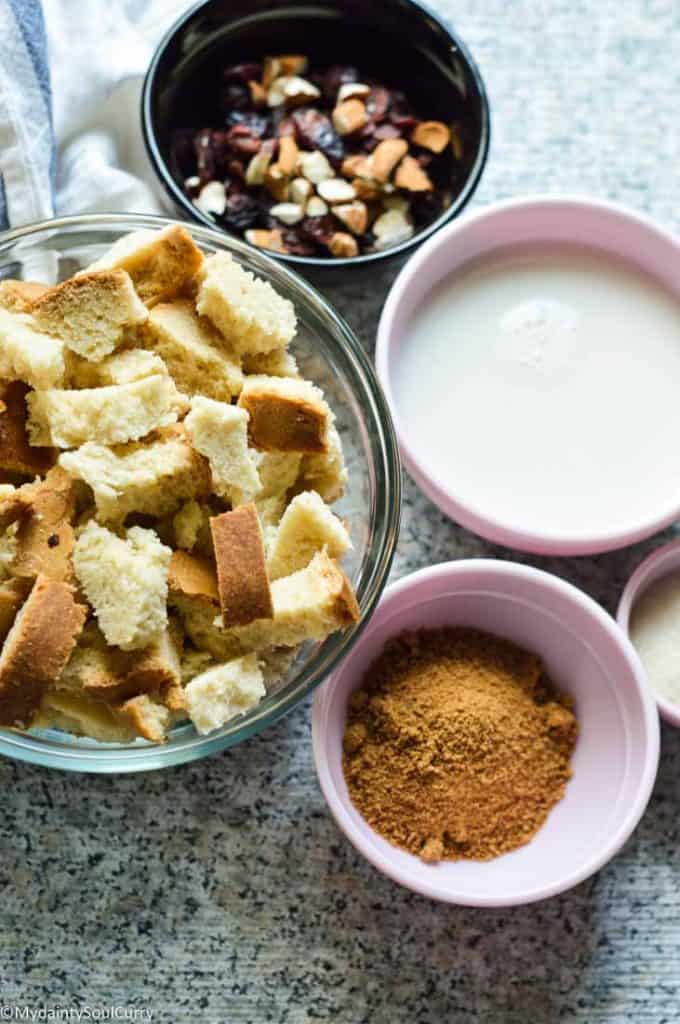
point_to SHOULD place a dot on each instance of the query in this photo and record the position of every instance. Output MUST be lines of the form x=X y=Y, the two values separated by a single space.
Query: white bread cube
x=325 y=473
x=307 y=526
x=193 y=663
x=194 y=351
x=92 y=314
x=160 y=263
x=125 y=579
x=27 y=354
x=220 y=433
x=223 y=692
x=286 y=414
x=19 y=296
x=153 y=478
x=247 y=311
x=120 y=368
x=188 y=522
x=147 y=716
x=81 y=715
x=279 y=363
x=106 y=415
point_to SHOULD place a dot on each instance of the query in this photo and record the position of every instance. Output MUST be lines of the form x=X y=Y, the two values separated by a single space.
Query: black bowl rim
x=175 y=193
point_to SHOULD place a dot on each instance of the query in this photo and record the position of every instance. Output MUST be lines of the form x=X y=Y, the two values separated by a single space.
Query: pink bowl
x=600 y=225
x=615 y=759
x=660 y=563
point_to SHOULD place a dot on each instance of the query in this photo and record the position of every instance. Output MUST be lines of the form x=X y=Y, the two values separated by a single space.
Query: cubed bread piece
x=13 y=593
x=286 y=414
x=193 y=577
x=279 y=363
x=147 y=717
x=220 y=433
x=17 y=455
x=194 y=351
x=241 y=570
x=194 y=662
x=92 y=313
x=223 y=692
x=326 y=473
x=125 y=579
x=107 y=415
x=37 y=648
x=160 y=263
x=277 y=472
x=120 y=368
x=153 y=479
x=19 y=296
x=44 y=536
x=131 y=673
x=27 y=354
x=83 y=716
x=307 y=526
x=191 y=527
x=247 y=310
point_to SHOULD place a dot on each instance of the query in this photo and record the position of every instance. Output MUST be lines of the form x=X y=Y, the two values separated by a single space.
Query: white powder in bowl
x=655 y=632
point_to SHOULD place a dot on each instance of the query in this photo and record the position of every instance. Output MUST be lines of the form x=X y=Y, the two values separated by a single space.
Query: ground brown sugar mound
x=457 y=745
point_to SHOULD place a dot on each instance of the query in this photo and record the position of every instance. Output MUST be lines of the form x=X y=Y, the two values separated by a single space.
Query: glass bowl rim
x=174 y=192
x=385 y=515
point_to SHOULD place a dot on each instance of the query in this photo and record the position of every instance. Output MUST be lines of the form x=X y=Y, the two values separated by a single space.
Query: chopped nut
x=259 y=163
x=300 y=190
x=276 y=183
x=212 y=198
x=352 y=90
x=343 y=245
x=365 y=189
x=266 y=239
x=385 y=158
x=288 y=154
x=391 y=228
x=289 y=213
x=432 y=135
x=192 y=185
x=349 y=117
x=315 y=167
x=353 y=215
x=271 y=70
x=299 y=90
x=258 y=94
x=336 y=190
x=396 y=203
x=316 y=207
x=411 y=176
x=293 y=64
x=357 y=165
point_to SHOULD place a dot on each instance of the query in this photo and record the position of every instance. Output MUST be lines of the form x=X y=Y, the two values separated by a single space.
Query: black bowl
x=400 y=42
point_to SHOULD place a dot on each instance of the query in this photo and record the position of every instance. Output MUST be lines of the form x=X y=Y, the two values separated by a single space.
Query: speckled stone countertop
x=222 y=891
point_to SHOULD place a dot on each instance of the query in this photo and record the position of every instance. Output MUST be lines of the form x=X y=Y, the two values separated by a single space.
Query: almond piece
x=365 y=189
x=411 y=176
x=343 y=245
x=353 y=90
x=258 y=94
x=276 y=183
x=385 y=158
x=212 y=198
x=432 y=135
x=315 y=167
x=391 y=228
x=259 y=164
x=271 y=70
x=266 y=239
x=349 y=117
x=288 y=213
x=353 y=215
x=292 y=63
x=316 y=207
x=300 y=190
x=336 y=190
x=352 y=166
x=288 y=154
x=298 y=90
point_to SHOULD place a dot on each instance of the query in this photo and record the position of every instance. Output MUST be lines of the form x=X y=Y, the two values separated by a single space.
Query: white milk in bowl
x=540 y=385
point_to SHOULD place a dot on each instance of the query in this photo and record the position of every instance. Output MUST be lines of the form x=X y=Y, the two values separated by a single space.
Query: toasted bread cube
x=325 y=473
x=241 y=570
x=28 y=355
x=147 y=717
x=194 y=351
x=123 y=367
x=286 y=414
x=128 y=674
x=126 y=582
x=223 y=692
x=220 y=433
x=153 y=479
x=37 y=648
x=13 y=593
x=160 y=263
x=17 y=455
x=83 y=716
x=92 y=314
x=307 y=526
x=188 y=522
x=19 y=296
x=279 y=363
x=247 y=311
x=193 y=577
x=194 y=662
x=107 y=415
x=44 y=536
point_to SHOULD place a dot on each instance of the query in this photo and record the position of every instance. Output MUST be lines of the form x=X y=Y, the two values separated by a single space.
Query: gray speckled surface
x=222 y=891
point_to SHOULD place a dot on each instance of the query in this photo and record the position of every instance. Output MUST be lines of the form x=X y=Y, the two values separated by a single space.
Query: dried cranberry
x=425 y=207
x=242 y=141
x=314 y=130
x=243 y=72
x=404 y=122
x=242 y=211
x=297 y=245
x=237 y=169
x=386 y=131
x=334 y=77
x=378 y=103
x=318 y=229
x=257 y=124
x=425 y=159
x=235 y=96
x=285 y=127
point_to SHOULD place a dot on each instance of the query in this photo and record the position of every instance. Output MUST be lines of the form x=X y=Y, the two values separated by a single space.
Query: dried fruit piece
x=353 y=215
x=386 y=156
x=212 y=198
x=349 y=117
x=411 y=176
x=288 y=213
x=343 y=245
x=314 y=130
x=242 y=211
x=378 y=103
x=315 y=167
x=318 y=229
x=432 y=135
x=335 y=77
x=336 y=190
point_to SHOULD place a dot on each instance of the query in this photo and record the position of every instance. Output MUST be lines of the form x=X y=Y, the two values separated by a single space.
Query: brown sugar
x=457 y=745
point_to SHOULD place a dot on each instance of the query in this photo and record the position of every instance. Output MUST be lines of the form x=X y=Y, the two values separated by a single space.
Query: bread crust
x=241 y=566
x=283 y=418
x=194 y=577
x=19 y=296
x=16 y=454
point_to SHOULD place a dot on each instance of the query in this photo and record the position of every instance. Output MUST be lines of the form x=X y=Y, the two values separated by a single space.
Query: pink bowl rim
x=633 y=589
x=482 y=523
x=337 y=806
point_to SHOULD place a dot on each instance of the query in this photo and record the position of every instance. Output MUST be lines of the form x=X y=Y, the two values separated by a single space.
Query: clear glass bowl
x=330 y=355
